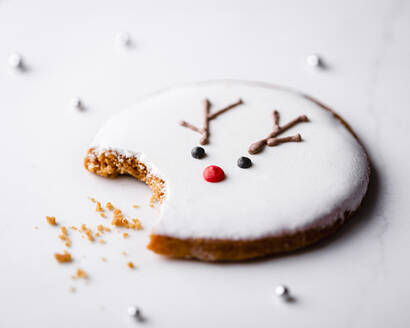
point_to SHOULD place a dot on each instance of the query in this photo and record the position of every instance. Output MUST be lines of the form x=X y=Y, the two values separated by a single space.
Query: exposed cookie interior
x=111 y=163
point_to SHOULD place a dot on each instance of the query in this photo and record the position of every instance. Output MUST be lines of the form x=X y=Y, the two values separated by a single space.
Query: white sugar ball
x=76 y=103
x=133 y=311
x=282 y=291
x=314 y=60
x=15 y=61
x=123 y=39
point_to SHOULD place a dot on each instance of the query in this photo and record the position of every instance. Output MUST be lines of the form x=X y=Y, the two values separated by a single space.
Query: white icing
x=289 y=187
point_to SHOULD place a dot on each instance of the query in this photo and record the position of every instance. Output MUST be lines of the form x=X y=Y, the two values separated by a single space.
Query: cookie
x=306 y=173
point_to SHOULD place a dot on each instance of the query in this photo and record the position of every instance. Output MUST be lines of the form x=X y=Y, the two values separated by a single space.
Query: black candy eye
x=244 y=162
x=198 y=152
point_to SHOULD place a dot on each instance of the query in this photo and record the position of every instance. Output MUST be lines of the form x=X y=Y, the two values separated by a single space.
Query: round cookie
x=308 y=173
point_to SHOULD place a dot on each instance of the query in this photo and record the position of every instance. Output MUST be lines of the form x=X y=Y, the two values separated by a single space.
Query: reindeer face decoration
x=216 y=174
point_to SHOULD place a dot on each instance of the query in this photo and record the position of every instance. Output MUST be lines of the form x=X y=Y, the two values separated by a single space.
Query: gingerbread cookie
x=242 y=169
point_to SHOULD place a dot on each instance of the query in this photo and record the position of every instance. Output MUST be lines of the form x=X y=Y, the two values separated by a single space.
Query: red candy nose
x=213 y=173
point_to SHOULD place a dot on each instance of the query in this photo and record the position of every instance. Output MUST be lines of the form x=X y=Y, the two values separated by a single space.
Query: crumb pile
x=118 y=221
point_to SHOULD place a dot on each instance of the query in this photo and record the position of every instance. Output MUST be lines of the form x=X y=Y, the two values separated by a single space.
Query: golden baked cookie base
x=111 y=164
x=238 y=250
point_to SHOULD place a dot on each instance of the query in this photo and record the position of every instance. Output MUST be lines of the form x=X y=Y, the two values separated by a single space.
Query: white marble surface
x=357 y=279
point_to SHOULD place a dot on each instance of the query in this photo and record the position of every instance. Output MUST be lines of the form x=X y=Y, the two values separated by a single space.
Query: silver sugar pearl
x=15 y=61
x=123 y=39
x=76 y=103
x=133 y=311
x=314 y=60
x=282 y=291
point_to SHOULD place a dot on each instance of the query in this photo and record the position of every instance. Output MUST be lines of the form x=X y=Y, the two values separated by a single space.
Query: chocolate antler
x=271 y=139
x=208 y=117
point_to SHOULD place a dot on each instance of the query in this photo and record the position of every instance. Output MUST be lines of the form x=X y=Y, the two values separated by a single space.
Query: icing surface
x=289 y=187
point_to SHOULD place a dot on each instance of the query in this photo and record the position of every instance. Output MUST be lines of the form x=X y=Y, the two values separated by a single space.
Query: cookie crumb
x=119 y=222
x=80 y=274
x=131 y=265
x=102 y=215
x=51 y=220
x=118 y=219
x=62 y=237
x=100 y=228
x=98 y=207
x=124 y=253
x=92 y=199
x=106 y=229
x=72 y=290
x=103 y=259
x=73 y=228
x=83 y=227
x=63 y=258
x=36 y=227
x=118 y=212
x=109 y=206
x=125 y=235
x=101 y=241
x=89 y=234
x=136 y=224
x=135 y=206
